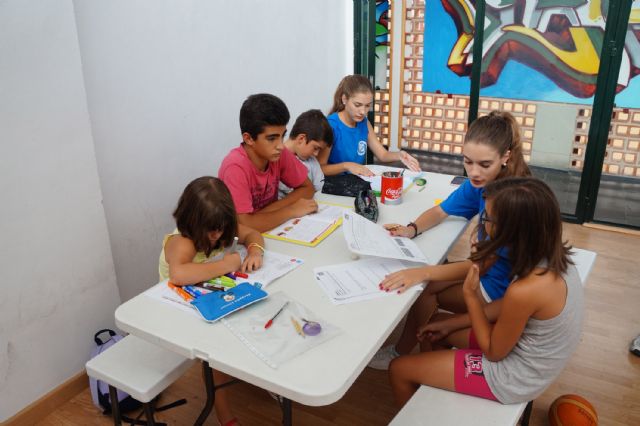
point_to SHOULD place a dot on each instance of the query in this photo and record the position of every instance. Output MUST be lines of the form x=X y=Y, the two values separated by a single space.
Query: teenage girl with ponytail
x=353 y=133
x=492 y=151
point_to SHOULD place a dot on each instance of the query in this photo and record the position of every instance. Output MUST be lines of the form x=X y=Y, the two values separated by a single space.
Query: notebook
x=219 y=304
x=311 y=229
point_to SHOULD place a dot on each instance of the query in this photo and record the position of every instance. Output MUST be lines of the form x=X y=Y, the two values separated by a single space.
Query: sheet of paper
x=356 y=281
x=310 y=227
x=163 y=293
x=365 y=237
x=274 y=266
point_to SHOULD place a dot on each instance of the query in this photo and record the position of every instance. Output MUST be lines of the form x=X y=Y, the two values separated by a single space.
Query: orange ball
x=572 y=410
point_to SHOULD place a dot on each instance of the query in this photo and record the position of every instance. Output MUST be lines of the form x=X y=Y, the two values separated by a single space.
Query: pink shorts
x=468 y=374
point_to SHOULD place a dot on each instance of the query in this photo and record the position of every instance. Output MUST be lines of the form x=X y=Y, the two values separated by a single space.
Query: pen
x=241 y=274
x=268 y=324
x=422 y=189
x=297 y=326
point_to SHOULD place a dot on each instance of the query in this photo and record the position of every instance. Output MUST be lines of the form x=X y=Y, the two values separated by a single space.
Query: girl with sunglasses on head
x=515 y=356
x=492 y=151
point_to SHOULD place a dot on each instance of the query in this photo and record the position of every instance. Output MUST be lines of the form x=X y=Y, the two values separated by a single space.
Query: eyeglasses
x=484 y=218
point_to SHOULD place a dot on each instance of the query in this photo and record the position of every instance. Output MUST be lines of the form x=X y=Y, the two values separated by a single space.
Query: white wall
x=165 y=81
x=57 y=286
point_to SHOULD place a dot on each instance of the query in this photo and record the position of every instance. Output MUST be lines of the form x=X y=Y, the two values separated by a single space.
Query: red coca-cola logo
x=393 y=193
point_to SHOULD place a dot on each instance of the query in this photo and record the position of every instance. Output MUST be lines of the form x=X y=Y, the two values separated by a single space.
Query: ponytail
x=501 y=131
x=349 y=86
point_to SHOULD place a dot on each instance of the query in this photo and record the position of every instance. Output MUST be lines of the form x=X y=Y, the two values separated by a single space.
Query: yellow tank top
x=200 y=257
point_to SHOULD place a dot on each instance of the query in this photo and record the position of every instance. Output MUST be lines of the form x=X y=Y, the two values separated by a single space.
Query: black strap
x=104 y=330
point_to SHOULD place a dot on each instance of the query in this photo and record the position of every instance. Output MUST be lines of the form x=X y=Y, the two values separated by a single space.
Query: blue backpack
x=99 y=389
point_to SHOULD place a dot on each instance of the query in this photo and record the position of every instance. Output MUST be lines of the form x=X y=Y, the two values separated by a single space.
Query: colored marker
x=268 y=324
x=230 y=275
x=186 y=296
x=241 y=274
x=191 y=291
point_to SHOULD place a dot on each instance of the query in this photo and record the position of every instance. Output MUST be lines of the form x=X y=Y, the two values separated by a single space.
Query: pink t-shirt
x=252 y=189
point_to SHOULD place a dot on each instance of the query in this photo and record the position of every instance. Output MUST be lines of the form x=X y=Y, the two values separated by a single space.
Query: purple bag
x=99 y=389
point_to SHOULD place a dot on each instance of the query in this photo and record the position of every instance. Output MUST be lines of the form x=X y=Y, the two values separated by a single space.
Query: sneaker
x=383 y=358
x=634 y=347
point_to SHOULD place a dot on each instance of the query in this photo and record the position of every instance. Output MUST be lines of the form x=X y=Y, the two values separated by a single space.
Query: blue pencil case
x=218 y=304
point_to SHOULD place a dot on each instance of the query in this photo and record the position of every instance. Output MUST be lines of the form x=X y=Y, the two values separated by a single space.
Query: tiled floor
x=618 y=199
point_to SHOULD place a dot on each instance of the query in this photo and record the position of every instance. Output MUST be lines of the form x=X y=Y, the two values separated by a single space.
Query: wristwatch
x=415 y=228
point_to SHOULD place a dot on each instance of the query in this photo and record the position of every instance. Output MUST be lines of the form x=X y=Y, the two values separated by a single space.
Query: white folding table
x=323 y=374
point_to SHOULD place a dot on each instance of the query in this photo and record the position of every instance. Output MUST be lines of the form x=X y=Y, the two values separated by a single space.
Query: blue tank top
x=467 y=201
x=349 y=143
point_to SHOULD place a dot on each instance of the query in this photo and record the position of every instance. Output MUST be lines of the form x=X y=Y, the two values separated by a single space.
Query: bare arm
x=437 y=330
x=179 y=253
x=336 y=169
x=248 y=236
x=306 y=190
x=275 y=214
x=425 y=221
x=519 y=304
x=406 y=278
x=387 y=156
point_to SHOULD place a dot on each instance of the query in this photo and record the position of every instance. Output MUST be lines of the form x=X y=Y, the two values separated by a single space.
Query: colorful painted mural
x=544 y=50
x=382 y=42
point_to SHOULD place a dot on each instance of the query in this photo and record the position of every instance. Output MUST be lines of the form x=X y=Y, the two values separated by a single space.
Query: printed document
x=367 y=238
x=355 y=281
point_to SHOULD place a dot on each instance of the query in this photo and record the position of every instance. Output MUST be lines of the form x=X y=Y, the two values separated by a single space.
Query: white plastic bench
x=137 y=367
x=437 y=406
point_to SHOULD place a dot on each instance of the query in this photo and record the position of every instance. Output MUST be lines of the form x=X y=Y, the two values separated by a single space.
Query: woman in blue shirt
x=353 y=133
x=492 y=150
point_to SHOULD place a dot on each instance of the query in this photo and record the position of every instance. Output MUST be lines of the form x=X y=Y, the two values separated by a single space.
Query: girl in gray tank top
x=517 y=345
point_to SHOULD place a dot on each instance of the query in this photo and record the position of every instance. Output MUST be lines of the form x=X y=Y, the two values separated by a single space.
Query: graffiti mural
x=382 y=42
x=546 y=50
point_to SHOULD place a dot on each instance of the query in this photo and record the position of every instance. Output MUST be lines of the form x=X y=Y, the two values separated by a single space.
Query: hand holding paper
x=367 y=238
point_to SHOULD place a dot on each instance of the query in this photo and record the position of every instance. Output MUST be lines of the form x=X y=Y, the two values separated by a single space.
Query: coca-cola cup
x=391 y=192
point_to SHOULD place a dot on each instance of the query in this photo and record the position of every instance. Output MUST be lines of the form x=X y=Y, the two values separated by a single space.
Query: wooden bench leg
x=524 y=420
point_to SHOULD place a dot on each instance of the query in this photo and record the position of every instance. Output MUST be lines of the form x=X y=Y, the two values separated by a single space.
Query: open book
x=309 y=230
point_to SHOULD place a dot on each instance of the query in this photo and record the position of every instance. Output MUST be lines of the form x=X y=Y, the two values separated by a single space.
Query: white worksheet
x=274 y=265
x=367 y=238
x=356 y=281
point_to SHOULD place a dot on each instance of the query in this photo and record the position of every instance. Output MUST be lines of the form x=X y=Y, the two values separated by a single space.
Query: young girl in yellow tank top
x=207 y=224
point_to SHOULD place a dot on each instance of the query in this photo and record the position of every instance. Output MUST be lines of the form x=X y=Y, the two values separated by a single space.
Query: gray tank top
x=542 y=351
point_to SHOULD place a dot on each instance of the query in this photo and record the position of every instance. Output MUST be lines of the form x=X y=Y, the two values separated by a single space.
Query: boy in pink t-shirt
x=253 y=170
